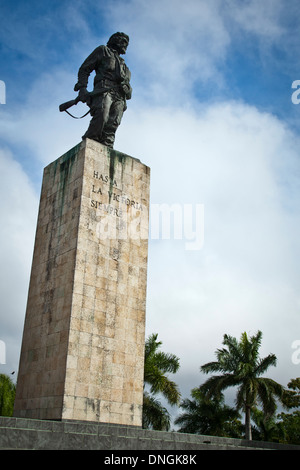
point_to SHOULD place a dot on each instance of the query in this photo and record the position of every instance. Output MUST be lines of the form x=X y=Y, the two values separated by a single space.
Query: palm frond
x=155 y=416
x=265 y=363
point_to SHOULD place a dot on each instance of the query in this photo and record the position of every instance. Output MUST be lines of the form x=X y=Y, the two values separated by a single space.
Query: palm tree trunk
x=248 y=432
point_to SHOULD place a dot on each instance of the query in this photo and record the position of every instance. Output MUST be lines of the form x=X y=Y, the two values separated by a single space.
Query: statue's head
x=119 y=42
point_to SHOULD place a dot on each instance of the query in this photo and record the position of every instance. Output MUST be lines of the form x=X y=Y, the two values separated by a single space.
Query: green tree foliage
x=7 y=395
x=291 y=397
x=157 y=365
x=208 y=416
x=155 y=415
x=267 y=428
x=291 y=421
x=240 y=366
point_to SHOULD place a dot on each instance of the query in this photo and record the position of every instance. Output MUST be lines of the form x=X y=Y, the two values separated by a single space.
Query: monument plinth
x=82 y=355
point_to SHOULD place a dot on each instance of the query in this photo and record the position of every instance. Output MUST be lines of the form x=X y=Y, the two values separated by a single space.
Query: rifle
x=68 y=104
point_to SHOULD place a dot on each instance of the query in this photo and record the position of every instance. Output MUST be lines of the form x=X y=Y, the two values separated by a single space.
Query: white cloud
x=172 y=45
x=18 y=215
x=179 y=47
x=39 y=125
x=262 y=19
x=240 y=163
x=243 y=166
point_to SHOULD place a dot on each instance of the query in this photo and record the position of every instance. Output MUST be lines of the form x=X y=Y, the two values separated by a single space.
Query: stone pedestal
x=82 y=355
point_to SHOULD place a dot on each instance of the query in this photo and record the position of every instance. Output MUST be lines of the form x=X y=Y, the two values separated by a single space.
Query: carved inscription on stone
x=102 y=188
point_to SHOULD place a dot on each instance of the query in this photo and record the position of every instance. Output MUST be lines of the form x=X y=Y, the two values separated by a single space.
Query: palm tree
x=208 y=416
x=241 y=366
x=157 y=365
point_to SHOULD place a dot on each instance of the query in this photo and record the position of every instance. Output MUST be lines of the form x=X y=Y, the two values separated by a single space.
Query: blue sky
x=212 y=115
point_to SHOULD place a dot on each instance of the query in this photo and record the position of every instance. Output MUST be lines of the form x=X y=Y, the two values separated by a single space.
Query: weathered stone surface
x=83 y=343
x=23 y=433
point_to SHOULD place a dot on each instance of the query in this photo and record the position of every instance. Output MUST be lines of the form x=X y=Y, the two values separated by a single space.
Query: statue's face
x=120 y=44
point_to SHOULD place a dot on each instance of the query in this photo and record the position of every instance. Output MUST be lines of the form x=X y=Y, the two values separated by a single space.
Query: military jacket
x=110 y=69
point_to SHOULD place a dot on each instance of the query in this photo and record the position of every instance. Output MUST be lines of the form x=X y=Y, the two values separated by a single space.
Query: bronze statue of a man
x=112 y=88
